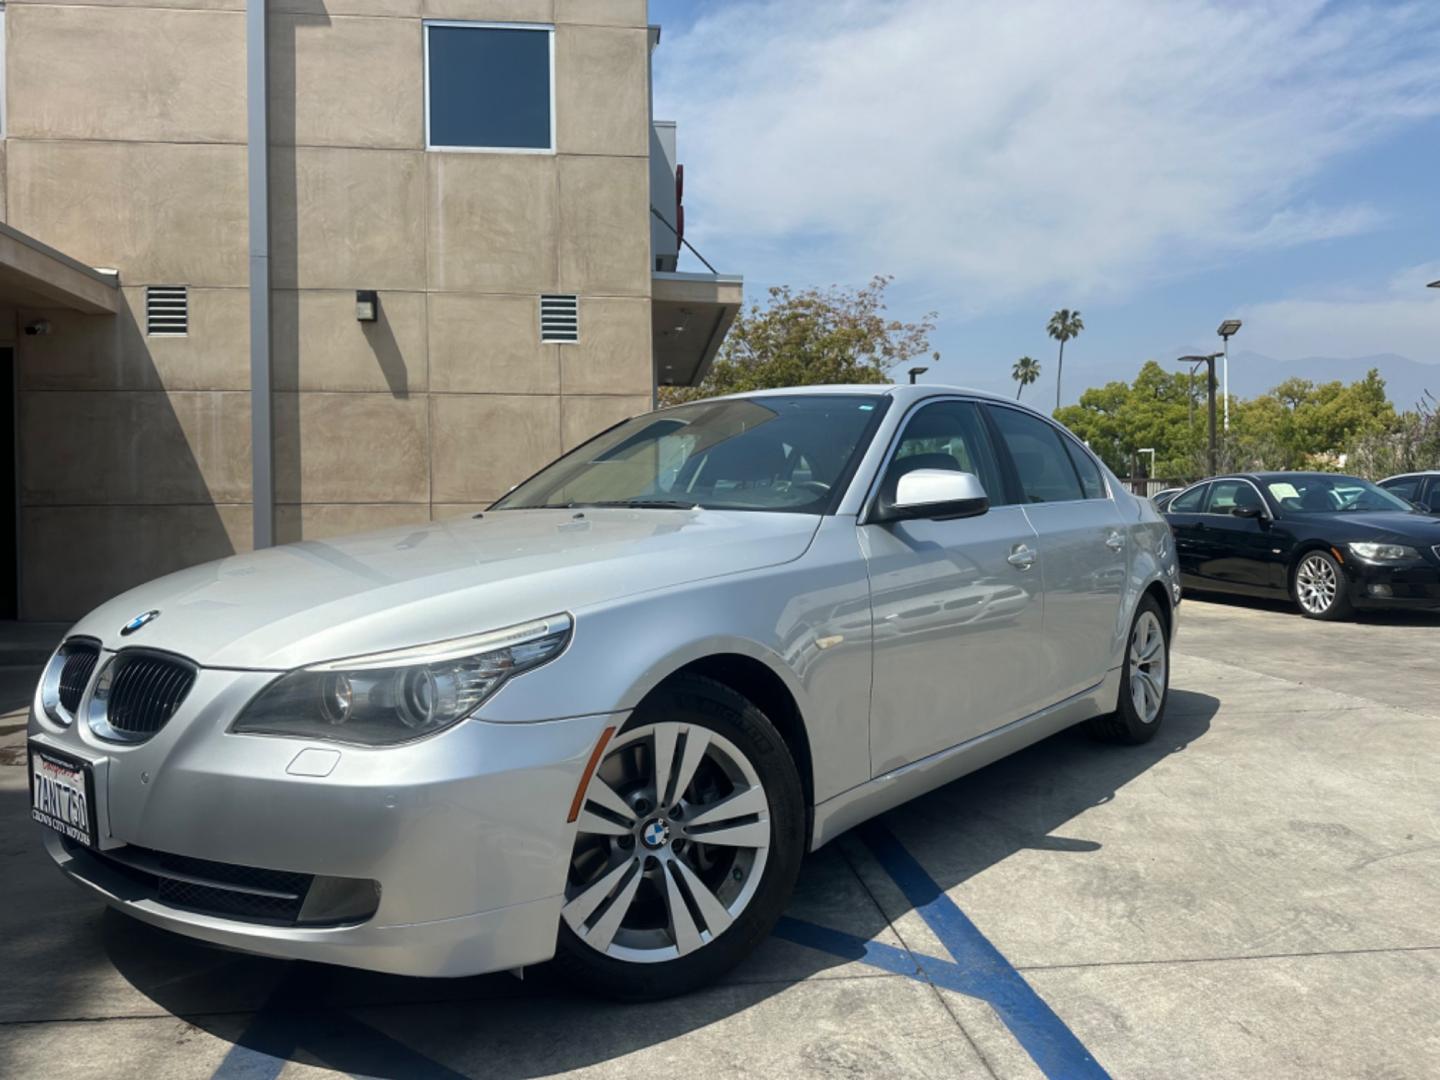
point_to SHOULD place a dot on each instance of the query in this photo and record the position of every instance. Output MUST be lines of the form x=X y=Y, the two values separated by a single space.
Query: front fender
x=808 y=621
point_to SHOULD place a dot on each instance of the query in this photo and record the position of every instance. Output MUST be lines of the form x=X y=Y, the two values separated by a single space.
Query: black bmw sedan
x=1330 y=543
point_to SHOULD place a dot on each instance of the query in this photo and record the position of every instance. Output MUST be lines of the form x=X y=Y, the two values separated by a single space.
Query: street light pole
x=1228 y=329
x=916 y=372
x=1209 y=362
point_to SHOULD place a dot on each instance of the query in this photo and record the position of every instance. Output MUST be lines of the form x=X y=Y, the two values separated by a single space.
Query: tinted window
x=770 y=453
x=946 y=435
x=1041 y=462
x=1226 y=495
x=1407 y=487
x=1090 y=481
x=1302 y=493
x=488 y=87
x=1189 y=502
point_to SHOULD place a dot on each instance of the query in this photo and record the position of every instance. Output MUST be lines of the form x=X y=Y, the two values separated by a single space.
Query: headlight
x=1385 y=552
x=393 y=697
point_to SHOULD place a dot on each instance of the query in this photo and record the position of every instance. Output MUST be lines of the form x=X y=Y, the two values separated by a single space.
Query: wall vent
x=560 y=318
x=167 y=310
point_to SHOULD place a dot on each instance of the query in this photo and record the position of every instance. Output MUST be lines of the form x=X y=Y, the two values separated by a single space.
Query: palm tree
x=1064 y=325
x=1025 y=372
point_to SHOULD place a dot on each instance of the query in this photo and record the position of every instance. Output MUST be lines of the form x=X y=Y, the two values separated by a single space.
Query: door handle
x=1115 y=542
x=1022 y=557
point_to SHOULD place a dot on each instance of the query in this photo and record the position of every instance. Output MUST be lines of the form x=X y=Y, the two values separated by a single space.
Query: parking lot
x=1256 y=893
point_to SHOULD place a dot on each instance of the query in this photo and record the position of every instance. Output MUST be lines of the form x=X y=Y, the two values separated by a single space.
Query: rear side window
x=1090 y=481
x=1041 y=462
x=1189 y=502
x=947 y=435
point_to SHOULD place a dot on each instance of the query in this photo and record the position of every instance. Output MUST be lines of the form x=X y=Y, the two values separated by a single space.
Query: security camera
x=38 y=327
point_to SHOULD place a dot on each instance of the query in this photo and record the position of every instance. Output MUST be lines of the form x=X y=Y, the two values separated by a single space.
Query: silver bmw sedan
x=602 y=721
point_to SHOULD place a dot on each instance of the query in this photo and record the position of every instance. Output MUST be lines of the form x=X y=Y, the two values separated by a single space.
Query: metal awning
x=690 y=314
x=35 y=275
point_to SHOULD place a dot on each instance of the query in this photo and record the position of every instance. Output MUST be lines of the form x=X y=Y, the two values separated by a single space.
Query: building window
x=167 y=311
x=490 y=86
x=560 y=319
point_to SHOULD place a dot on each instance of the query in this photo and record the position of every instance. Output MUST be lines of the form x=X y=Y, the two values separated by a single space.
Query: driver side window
x=947 y=435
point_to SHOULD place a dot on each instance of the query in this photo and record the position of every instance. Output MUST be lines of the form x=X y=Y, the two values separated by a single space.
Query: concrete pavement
x=1251 y=894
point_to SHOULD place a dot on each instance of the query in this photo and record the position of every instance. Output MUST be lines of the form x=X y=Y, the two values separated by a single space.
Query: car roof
x=904 y=393
x=1413 y=472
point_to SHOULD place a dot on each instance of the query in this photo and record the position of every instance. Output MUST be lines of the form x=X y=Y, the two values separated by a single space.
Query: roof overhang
x=35 y=275
x=690 y=316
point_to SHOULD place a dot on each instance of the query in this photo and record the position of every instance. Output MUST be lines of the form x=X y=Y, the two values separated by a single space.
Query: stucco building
x=490 y=170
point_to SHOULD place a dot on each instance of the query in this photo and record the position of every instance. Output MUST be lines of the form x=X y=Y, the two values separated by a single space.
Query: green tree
x=1025 y=372
x=1298 y=424
x=810 y=337
x=1064 y=325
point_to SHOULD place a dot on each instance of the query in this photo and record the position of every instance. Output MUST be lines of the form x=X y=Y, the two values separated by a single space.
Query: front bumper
x=465 y=832
x=1375 y=585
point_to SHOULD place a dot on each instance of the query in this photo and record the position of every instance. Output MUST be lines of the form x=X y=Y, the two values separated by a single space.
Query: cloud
x=996 y=150
x=1402 y=318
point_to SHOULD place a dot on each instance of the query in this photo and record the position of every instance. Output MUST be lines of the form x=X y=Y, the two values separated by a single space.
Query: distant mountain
x=1251 y=373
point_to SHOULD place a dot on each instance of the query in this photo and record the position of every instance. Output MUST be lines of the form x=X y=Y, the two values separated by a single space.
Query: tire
x=629 y=850
x=1319 y=587
x=1144 y=680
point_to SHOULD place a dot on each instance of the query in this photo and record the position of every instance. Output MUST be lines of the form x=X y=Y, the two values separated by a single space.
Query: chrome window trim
x=1170 y=506
x=1226 y=479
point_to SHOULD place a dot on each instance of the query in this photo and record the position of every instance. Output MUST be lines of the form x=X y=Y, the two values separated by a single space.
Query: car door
x=955 y=604
x=1082 y=541
x=1238 y=549
x=1185 y=515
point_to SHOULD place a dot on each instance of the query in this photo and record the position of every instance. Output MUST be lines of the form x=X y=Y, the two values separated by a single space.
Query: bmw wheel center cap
x=656 y=834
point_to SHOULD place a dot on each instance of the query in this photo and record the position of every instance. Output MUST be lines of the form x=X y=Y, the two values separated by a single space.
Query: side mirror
x=936 y=493
x=1248 y=512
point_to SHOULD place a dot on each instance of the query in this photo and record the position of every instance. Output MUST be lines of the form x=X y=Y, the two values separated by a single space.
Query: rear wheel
x=1145 y=682
x=690 y=839
x=1321 y=591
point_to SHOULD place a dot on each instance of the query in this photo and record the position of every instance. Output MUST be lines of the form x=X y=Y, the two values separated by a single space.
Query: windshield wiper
x=638 y=504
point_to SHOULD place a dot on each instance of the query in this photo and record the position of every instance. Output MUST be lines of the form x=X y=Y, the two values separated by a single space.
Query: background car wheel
x=689 y=843
x=1144 y=681
x=1321 y=591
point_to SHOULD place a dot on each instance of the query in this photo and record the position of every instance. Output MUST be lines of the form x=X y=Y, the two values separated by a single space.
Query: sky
x=1160 y=167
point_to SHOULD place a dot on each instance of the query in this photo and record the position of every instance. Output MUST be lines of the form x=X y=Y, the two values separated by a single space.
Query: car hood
x=297 y=604
x=1417 y=530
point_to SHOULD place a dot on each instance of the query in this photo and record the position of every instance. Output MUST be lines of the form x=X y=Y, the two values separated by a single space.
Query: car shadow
x=1377 y=616
x=497 y=1026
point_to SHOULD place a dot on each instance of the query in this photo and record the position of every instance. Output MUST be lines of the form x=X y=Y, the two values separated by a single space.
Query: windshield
x=770 y=453
x=1305 y=494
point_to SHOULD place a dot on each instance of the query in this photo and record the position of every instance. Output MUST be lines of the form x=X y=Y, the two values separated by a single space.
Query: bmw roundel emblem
x=138 y=621
x=655 y=834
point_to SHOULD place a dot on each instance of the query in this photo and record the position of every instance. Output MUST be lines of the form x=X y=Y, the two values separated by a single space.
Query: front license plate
x=62 y=794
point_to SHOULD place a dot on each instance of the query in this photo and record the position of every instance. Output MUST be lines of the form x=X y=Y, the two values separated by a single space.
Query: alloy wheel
x=672 y=844
x=1147 y=667
x=1316 y=584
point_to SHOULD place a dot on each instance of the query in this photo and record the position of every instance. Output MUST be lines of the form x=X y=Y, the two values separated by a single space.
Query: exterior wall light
x=367 y=305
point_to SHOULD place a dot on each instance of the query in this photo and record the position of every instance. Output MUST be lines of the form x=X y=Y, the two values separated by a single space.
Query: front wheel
x=1144 y=683
x=690 y=839
x=1321 y=591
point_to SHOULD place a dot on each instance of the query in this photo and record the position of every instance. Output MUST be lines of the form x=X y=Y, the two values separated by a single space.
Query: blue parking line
x=976 y=969
x=979 y=969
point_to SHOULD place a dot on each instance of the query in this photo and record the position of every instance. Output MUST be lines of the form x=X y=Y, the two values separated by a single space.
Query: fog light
x=1380 y=590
